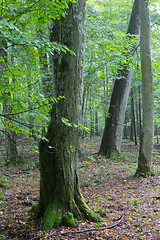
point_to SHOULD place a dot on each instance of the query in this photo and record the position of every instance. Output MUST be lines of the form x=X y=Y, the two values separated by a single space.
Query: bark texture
x=113 y=132
x=145 y=160
x=60 y=195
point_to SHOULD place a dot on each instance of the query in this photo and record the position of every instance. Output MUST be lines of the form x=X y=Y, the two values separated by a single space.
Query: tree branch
x=25 y=11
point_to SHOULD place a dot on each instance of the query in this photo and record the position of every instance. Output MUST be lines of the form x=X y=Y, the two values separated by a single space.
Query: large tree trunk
x=60 y=196
x=145 y=160
x=113 y=132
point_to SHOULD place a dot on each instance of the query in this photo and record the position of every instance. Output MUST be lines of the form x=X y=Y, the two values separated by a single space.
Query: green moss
x=36 y=210
x=144 y=172
x=143 y=169
x=90 y=215
x=86 y=211
x=33 y=208
x=68 y=219
x=51 y=218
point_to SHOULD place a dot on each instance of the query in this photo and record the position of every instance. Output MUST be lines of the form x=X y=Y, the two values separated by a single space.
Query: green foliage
x=67 y=123
x=21 y=85
x=107 y=47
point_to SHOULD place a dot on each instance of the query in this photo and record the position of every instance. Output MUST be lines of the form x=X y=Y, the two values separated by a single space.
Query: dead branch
x=87 y=229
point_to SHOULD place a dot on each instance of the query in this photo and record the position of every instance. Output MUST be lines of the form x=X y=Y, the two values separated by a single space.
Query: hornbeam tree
x=113 y=131
x=60 y=196
x=145 y=159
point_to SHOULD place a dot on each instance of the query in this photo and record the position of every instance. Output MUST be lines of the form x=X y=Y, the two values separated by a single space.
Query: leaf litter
x=129 y=206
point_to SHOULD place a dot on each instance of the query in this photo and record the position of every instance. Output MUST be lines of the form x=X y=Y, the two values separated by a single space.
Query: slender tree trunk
x=47 y=80
x=10 y=138
x=137 y=119
x=133 y=118
x=125 y=128
x=30 y=115
x=96 y=124
x=145 y=159
x=91 y=115
x=10 y=135
x=112 y=136
x=106 y=86
x=139 y=109
x=60 y=196
x=83 y=99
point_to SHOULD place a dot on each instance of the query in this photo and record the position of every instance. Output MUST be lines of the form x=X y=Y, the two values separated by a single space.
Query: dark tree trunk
x=112 y=136
x=125 y=128
x=96 y=124
x=60 y=196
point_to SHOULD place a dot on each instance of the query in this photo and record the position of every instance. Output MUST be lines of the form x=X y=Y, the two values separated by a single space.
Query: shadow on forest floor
x=131 y=205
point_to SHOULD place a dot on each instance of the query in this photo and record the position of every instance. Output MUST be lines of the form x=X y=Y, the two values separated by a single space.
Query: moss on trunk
x=58 y=213
x=143 y=169
x=60 y=198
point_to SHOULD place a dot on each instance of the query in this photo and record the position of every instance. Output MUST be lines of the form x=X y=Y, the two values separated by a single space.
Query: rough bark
x=145 y=159
x=60 y=196
x=113 y=132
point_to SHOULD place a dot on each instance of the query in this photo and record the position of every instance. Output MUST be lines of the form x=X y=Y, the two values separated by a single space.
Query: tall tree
x=60 y=196
x=10 y=135
x=145 y=159
x=112 y=136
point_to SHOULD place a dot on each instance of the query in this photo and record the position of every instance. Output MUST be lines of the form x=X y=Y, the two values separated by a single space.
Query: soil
x=129 y=206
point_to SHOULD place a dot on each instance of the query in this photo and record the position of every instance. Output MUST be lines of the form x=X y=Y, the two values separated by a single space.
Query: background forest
x=27 y=93
x=28 y=77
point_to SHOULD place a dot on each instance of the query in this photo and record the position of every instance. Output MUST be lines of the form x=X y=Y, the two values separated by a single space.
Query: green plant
x=3 y=181
x=2 y=198
x=135 y=201
x=2 y=237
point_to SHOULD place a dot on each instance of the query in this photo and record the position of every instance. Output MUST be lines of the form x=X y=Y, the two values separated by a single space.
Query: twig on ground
x=86 y=230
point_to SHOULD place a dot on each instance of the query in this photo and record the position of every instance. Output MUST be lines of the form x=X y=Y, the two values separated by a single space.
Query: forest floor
x=129 y=206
